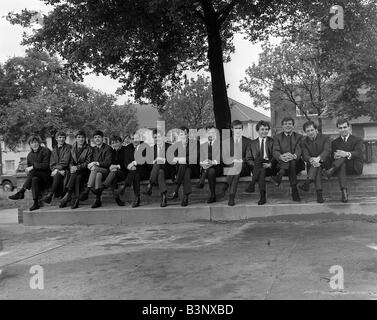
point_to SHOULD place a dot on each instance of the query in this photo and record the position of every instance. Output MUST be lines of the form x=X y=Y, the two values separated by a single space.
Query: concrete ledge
x=152 y=215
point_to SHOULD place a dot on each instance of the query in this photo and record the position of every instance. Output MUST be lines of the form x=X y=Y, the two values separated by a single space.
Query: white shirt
x=345 y=139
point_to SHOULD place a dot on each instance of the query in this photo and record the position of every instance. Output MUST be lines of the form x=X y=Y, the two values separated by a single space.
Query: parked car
x=21 y=166
x=8 y=182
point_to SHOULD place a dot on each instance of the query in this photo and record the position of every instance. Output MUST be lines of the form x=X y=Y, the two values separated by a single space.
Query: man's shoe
x=67 y=198
x=75 y=204
x=35 y=206
x=231 y=201
x=211 y=199
x=174 y=195
x=136 y=202
x=148 y=191
x=329 y=173
x=119 y=202
x=48 y=198
x=184 y=202
x=164 y=202
x=320 y=196
x=97 y=204
x=344 y=195
x=262 y=199
x=17 y=196
x=250 y=188
x=200 y=185
x=305 y=186
x=295 y=195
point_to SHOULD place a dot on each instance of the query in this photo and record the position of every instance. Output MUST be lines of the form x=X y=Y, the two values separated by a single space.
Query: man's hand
x=237 y=160
x=341 y=154
x=284 y=157
x=73 y=169
x=92 y=164
x=29 y=169
x=182 y=160
x=132 y=166
x=114 y=167
x=62 y=172
x=160 y=160
x=267 y=165
x=54 y=172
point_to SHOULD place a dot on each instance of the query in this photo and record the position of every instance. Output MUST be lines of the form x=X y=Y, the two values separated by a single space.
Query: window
x=10 y=165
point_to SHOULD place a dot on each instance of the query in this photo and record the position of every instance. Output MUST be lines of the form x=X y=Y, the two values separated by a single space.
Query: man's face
x=127 y=140
x=263 y=131
x=116 y=144
x=237 y=131
x=344 y=129
x=98 y=140
x=61 y=140
x=288 y=126
x=182 y=136
x=311 y=132
x=211 y=134
x=136 y=139
x=80 y=140
x=34 y=145
x=159 y=138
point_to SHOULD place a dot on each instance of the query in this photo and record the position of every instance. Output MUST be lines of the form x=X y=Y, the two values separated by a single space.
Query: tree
x=37 y=97
x=191 y=105
x=148 y=45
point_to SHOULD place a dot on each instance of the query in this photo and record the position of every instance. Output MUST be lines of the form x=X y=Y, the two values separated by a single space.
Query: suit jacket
x=282 y=145
x=206 y=152
x=355 y=146
x=142 y=169
x=39 y=160
x=60 y=160
x=103 y=155
x=81 y=161
x=118 y=157
x=320 y=147
x=229 y=150
x=256 y=154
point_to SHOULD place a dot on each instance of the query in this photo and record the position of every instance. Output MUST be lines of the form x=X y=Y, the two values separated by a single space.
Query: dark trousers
x=232 y=180
x=57 y=187
x=37 y=181
x=133 y=178
x=315 y=175
x=113 y=178
x=260 y=173
x=340 y=165
x=211 y=174
x=289 y=167
x=157 y=177
x=76 y=181
x=96 y=177
x=183 y=177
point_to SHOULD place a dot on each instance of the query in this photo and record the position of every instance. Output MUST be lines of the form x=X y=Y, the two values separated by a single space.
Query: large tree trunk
x=216 y=66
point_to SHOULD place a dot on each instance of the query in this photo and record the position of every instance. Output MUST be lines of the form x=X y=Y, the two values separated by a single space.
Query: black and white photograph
x=188 y=155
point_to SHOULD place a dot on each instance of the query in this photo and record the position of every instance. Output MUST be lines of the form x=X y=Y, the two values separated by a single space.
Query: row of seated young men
x=81 y=169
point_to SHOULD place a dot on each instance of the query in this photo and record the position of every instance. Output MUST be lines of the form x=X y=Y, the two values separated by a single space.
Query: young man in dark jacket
x=59 y=165
x=38 y=172
x=316 y=150
x=99 y=168
x=347 y=154
x=118 y=170
x=81 y=156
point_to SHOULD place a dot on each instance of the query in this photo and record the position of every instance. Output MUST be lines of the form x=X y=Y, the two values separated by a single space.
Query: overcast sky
x=11 y=37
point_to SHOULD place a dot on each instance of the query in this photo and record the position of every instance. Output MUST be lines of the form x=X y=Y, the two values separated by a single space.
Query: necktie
x=262 y=149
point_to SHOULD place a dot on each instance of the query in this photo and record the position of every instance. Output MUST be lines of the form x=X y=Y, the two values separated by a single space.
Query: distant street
x=191 y=261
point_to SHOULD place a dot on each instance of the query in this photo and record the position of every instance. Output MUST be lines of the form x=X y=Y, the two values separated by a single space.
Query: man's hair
x=80 y=133
x=115 y=138
x=185 y=129
x=236 y=123
x=154 y=131
x=309 y=123
x=342 y=121
x=98 y=133
x=264 y=124
x=33 y=138
x=210 y=126
x=60 y=134
x=287 y=119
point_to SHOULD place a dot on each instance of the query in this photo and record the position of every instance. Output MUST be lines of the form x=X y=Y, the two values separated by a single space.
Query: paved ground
x=190 y=261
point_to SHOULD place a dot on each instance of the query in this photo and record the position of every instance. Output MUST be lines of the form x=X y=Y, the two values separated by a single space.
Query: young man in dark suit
x=184 y=155
x=118 y=170
x=287 y=151
x=137 y=171
x=262 y=160
x=38 y=172
x=210 y=161
x=347 y=152
x=236 y=157
x=59 y=165
x=81 y=156
x=99 y=168
x=316 y=150
x=160 y=167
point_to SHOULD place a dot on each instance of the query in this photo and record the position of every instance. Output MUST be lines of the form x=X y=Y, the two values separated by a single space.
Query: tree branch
x=223 y=14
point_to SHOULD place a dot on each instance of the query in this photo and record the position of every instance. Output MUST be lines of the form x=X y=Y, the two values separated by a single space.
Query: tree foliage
x=37 y=97
x=191 y=105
